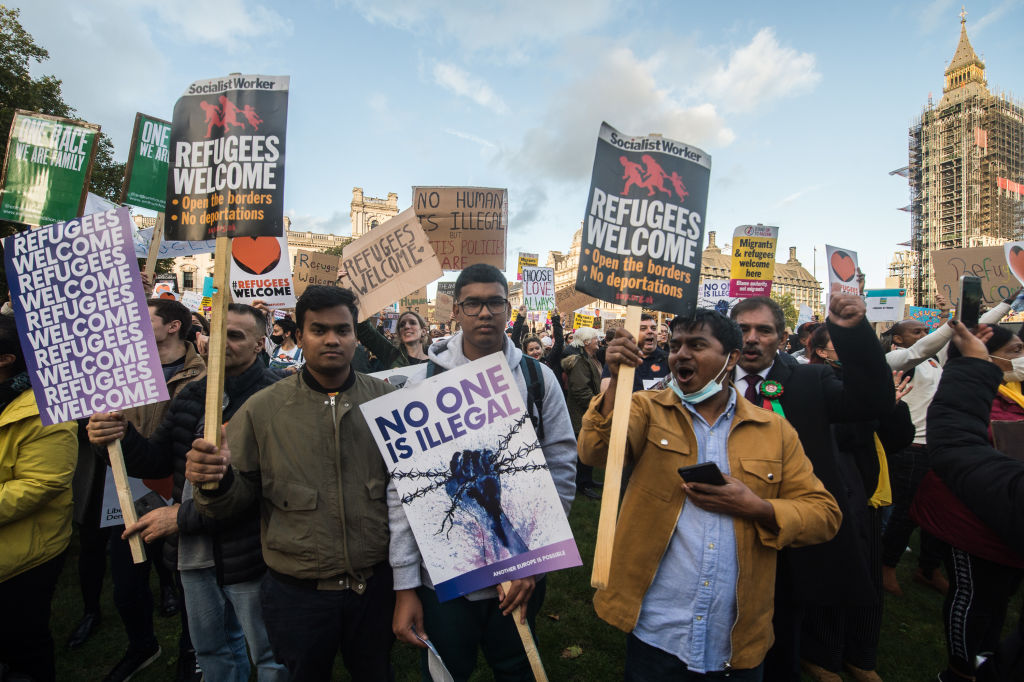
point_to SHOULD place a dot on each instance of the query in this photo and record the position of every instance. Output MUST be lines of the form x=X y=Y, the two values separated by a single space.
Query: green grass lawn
x=574 y=644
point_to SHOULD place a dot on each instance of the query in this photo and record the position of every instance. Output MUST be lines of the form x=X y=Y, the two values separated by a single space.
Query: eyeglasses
x=473 y=306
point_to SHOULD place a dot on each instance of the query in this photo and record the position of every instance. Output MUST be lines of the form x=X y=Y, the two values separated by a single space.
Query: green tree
x=18 y=90
x=789 y=308
x=336 y=250
x=107 y=175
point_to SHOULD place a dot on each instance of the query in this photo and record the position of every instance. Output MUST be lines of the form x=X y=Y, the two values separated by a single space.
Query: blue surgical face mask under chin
x=713 y=387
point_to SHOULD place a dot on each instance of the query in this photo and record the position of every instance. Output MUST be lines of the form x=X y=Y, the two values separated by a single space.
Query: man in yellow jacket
x=693 y=566
x=37 y=464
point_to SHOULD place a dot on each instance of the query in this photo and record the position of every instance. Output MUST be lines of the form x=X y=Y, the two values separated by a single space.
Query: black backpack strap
x=534 y=391
x=433 y=368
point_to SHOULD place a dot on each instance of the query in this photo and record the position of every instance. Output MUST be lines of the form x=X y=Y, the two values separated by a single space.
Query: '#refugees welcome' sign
x=82 y=317
x=473 y=481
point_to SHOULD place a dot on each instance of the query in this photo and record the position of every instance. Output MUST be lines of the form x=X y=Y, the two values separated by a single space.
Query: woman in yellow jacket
x=36 y=466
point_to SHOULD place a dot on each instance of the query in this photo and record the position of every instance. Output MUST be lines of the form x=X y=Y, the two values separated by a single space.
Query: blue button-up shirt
x=690 y=608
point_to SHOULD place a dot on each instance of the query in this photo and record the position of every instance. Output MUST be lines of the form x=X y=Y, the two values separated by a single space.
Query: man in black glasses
x=458 y=628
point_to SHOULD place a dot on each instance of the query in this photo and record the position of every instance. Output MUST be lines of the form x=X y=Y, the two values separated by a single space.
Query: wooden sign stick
x=154 y=248
x=124 y=496
x=532 y=654
x=218 y=334
x=613 y=467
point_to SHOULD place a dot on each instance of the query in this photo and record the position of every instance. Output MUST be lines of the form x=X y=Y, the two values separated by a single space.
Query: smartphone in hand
x=968 y=307
x=705 y=472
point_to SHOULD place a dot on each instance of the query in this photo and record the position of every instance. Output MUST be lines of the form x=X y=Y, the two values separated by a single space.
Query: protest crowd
x=303 y=547
x=307 y=480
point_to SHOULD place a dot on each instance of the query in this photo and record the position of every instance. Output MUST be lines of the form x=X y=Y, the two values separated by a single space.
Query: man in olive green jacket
x=302 y=451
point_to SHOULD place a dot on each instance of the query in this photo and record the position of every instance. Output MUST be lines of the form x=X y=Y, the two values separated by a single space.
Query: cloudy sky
x=804 y=107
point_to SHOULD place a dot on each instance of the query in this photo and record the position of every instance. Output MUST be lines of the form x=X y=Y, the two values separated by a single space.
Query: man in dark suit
x=812 y=398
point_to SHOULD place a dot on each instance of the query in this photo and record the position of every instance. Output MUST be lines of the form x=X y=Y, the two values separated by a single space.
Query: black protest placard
x=644 y=224
x=226 y=175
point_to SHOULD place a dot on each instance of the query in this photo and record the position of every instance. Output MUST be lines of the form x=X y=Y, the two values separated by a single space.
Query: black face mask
x=276 y=339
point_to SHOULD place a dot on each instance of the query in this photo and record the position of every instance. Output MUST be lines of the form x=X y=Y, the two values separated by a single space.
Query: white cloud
x=621 y=89
x=336 y=223
x=485 y=144
x=112 y=68
x=994 y=15
x=464 y=84
x=508 y=28
x=797 y=195
x=229 y=23
x=760 y=72
x=937 y=13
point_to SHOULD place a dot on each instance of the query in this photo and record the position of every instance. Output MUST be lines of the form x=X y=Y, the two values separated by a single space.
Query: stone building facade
x=966 y=167
x=369 y=212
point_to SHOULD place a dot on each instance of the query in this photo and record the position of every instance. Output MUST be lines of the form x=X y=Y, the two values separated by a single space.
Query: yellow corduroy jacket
x=36 y=466
x=764 y=453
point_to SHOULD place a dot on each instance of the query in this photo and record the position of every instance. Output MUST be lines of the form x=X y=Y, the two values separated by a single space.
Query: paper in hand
x=436 y=667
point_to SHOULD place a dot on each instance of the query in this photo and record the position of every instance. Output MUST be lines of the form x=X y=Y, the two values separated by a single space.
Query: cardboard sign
x=526 y=260
x=443 y=308
x=465 y=225
x=169 y=249
x=47 y=167
x=931 y=317
x=472 y=478
x=539 y=288
x=644 y=225
x=82 y=317
x=753 y=260
x=314 y=268
x=987 y=262
x=885 y=305
x=416 y=301
x=614 y=323
x=580 y=320
x=842 y=271
x=805 y=315
x=226 y=175
x=148 y=160
x=388 y=262
x=714 y=295
x=192 y=300
x=260 y=270
x=568 y=299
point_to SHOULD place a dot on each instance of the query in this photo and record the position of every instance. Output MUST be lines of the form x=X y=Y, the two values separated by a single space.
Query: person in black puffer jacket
x=988 y=482
x=219 y=562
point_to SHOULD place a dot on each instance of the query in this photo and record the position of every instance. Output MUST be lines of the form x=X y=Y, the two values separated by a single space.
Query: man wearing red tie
x=812 y=398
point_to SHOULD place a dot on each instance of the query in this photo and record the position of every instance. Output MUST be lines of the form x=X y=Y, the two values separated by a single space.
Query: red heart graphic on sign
x=1017 y=261
x=256 y=255
x=843 y=266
